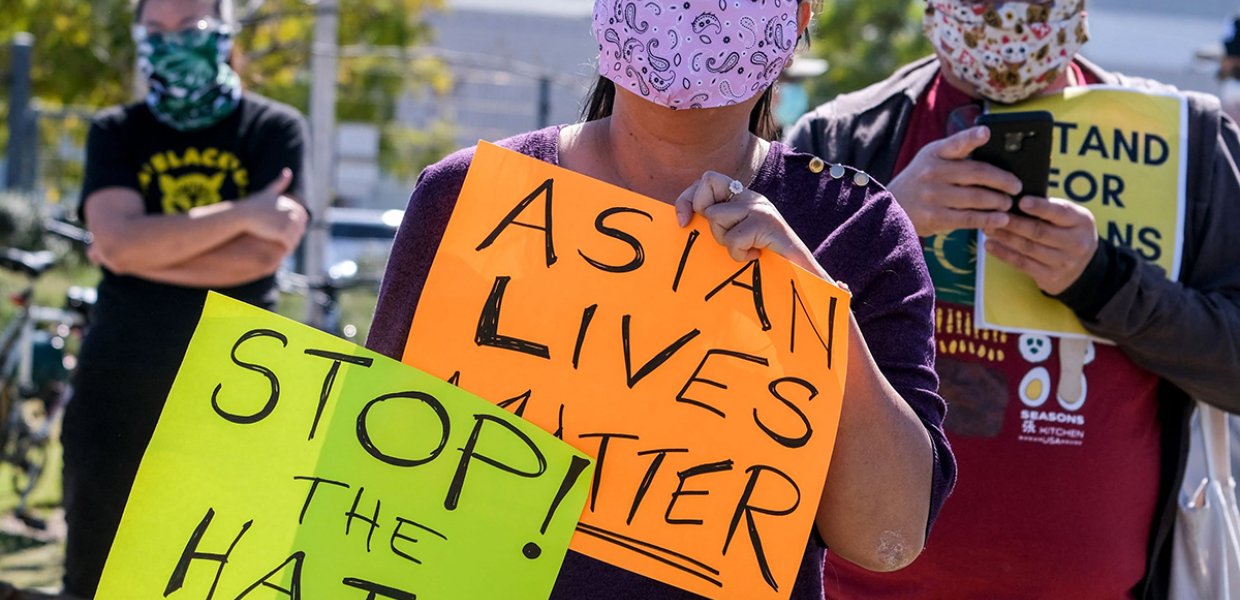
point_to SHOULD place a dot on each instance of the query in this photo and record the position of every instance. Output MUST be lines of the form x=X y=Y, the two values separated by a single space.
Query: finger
x=722 y=220
x=961 y=145
x=280 y=185
x=1042 y=231
x=969 y=197
x=295 y=209
x=1063 y=213
x=728 y=214
x=747 y=240
x=975 y=173
x=684 y=204
x=1030 y=266
x=713 y=189
x=1033 y=249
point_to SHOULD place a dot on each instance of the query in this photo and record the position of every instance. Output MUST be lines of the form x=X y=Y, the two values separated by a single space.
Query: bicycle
x=341 y=277
x=35 y=367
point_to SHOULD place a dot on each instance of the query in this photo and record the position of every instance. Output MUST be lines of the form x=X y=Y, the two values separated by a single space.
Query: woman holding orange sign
x=682 y=113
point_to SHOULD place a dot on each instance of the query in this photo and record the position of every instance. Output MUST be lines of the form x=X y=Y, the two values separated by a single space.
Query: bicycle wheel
x=10 y=397
x=29 y=445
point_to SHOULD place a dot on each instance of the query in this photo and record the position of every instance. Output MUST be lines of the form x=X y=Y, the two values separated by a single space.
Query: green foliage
x=82 y=52
x=21 y=221
x=84 y=55
x=405 y=151
x=865 y=41
x=277 y=40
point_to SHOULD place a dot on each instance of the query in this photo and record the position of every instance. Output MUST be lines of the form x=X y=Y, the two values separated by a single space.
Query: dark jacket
x=1186 y=332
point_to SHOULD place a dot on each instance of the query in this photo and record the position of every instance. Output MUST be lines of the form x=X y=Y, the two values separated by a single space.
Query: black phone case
x=1020 y=143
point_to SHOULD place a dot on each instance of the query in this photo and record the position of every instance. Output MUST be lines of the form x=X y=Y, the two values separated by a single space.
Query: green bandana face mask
x=192 y=86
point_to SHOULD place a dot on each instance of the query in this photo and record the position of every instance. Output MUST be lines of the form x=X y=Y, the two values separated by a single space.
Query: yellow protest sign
x=708 y=390
x=1120 y=153
x=288 y=463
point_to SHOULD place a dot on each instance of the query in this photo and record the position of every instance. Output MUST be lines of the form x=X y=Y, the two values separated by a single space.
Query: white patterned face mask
x=686 y=54
x=1008 y=51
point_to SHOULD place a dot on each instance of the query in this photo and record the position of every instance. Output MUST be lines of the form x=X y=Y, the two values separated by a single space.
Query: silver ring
x=735 y=188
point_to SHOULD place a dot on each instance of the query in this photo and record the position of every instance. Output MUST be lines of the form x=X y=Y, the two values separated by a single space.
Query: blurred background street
x=415 y=79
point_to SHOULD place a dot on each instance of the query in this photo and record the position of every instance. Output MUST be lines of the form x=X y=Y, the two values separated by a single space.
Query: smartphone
x=1020 y=143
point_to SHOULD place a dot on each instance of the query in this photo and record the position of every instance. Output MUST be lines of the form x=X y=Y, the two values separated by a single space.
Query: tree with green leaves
x=865 y=41
x=84 y=55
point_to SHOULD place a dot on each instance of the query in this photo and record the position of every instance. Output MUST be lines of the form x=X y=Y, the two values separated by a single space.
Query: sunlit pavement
x=31 y=560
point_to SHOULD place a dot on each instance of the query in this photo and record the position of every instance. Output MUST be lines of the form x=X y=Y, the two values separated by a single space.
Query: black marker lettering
x=191 y=553
x=696 y=378
x=587 y=317
x=353 y=514
x=648 y=479
x=787 y=441
x=754 y=286
x=314 y=486
x=374 y=591
x=829 y=344
x=604 y=442
x=546 y=189
x=655 y=362
x=488 y=326
x=684 y=258
x=639 y=253
x=396 y=534
x=470 y=452
x=363 y=434
x=747 y=510
x=686 y=475
x=293 y=591
x=272 y=400
x=522 y=400
x=330 y=380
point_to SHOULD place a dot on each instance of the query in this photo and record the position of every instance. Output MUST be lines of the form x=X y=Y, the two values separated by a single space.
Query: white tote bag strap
x=1215 y=442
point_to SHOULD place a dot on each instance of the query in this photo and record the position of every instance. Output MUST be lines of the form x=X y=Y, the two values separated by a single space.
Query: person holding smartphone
x=193 y=189
x=1030 y=519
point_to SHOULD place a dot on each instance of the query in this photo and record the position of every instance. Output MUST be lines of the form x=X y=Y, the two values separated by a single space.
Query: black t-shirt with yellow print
x=174 y=172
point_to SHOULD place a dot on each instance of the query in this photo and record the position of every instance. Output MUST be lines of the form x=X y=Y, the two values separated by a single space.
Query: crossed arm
x=222 y=245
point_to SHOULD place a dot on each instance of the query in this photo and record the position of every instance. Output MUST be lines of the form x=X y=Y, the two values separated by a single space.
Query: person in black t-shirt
x=194 y=189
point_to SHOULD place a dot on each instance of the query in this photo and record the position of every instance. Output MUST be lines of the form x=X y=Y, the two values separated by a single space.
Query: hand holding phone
x=1020 y=143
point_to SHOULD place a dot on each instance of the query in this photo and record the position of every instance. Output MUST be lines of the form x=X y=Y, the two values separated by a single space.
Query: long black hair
x=602 y=98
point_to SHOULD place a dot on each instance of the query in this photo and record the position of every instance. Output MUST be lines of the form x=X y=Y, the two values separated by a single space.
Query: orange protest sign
x=708 y=390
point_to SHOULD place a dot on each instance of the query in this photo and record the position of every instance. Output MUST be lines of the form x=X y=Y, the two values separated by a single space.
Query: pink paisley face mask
x=1009 y=51
x=695 y=53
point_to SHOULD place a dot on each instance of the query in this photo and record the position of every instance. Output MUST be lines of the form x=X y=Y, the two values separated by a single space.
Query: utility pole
x=544 y=101
x=323 y=66
x=23 y=125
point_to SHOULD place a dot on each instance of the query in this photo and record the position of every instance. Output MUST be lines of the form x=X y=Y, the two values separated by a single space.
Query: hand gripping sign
x=708 y=390
x=289 y=463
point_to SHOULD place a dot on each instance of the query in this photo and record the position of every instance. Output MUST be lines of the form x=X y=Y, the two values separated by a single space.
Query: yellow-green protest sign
x=288 y=463
x=1120 y=153
x=709 y=390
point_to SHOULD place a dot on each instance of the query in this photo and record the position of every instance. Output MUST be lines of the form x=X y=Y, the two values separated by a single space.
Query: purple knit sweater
x=858 y=233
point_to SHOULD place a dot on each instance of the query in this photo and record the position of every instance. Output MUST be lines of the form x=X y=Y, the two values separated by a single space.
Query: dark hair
x=220 y=6
x=237 y=59
x=602 y=98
